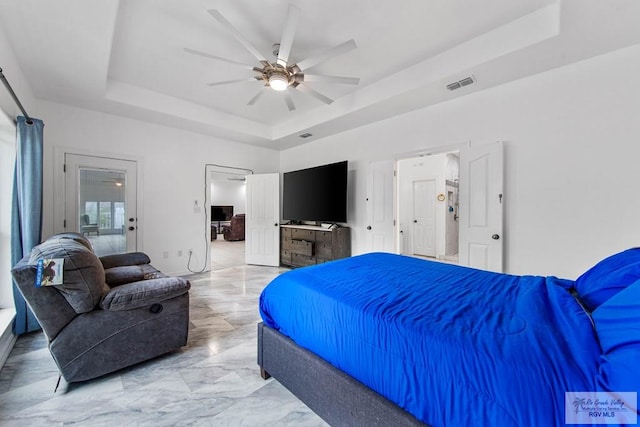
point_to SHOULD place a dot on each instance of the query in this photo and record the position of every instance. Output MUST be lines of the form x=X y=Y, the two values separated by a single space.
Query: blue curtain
x=26 y=220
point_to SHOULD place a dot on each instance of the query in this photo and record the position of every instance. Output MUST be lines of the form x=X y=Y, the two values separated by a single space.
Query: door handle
x=276 y=224
x=415 y=221
x=131 y=228
x=368 y=227
x=131 y=219
x=495 y=236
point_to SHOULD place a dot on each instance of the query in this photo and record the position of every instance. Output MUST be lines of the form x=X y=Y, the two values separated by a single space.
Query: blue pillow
x=617 y=324
x=608 y=277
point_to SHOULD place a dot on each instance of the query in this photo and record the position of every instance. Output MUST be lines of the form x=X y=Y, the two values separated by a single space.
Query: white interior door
x=101 y=200
x=262 y=228
x=380 y=207
x=481 y=197
x=424 y=217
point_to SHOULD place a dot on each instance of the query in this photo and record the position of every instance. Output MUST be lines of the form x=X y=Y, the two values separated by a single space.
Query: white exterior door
x=262 y=239
x=380 y=207
x=424 y=218
x=101 y=201
x=481 y=197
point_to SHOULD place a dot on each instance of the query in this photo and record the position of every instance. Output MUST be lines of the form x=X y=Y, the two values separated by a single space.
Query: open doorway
x=226 y=212
x=428 y=205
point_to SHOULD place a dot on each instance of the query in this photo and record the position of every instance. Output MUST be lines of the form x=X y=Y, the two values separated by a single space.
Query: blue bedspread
x=453 y=346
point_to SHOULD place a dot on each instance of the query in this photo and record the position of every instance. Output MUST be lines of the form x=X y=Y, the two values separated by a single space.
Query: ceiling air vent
x=464 y=82
x=305 y=135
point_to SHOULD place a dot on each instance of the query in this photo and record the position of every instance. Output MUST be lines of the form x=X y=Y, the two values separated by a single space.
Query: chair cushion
x=144 y=293
x=83 y=275
x=119 y=260
x=117 y=276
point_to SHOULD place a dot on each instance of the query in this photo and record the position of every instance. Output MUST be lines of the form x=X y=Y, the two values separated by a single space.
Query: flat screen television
x=316 y=194
x=221 y=213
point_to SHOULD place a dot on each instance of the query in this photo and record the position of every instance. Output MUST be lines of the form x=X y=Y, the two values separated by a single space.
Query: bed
x=384 y=339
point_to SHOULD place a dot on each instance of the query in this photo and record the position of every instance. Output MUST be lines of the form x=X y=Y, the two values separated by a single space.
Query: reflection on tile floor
x=213 y=381
x=108 y=244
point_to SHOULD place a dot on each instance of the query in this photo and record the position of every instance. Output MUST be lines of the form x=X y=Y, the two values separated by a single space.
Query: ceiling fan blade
x=256 y=97
x=219 y=58
x=338 y=50
x=226 y=82
x=287 y=35
x=331 y=79
x=237 y=34
x=289 y=100
x=306 y=89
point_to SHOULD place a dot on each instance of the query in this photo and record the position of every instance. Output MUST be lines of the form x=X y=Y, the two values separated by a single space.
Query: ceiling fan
x=282 y=74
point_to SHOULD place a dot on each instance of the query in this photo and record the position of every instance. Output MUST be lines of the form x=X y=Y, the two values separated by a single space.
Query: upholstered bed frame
x=335 y=396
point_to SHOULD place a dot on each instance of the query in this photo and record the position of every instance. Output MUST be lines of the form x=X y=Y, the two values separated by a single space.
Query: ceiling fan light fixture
x=278 y=81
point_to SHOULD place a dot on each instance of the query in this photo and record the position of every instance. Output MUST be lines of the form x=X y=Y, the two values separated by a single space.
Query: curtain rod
x=15 y=97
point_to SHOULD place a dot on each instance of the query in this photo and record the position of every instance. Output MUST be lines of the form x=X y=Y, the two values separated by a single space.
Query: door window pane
x=118 y=215
x=104 y=210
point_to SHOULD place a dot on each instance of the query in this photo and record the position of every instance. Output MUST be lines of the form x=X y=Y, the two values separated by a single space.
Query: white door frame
x=57 y=197
x=435 y=151
x=209 y=169
x=74 y=164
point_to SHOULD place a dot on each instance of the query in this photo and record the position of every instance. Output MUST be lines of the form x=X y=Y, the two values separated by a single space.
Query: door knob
x=495 y=236
x=275 y=225
x=368 y=227
x=131 y=228
x=415 y=221
x=131 y=219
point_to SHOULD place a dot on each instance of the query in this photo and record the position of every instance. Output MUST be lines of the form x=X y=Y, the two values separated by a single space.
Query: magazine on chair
x=49 y=272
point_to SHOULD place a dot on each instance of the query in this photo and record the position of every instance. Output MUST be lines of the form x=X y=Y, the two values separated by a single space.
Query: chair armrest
x=130 y=258
x=144 y=293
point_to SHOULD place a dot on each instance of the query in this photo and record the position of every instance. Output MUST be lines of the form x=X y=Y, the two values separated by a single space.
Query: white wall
x=7 y=163
x=572 y=144
x=229 y=193
x=171 y=171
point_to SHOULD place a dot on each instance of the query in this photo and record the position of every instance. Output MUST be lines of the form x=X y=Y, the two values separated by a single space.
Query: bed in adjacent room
x=383 y=339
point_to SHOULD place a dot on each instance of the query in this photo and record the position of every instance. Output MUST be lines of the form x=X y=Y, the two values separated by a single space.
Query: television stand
x=302 y=245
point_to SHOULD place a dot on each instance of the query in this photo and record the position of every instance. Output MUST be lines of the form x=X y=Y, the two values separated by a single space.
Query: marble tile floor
x=225 y=254
x=213 y=381
x=108 y=244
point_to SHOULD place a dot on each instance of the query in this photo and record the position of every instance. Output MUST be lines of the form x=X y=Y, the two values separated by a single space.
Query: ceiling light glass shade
x=278 y=81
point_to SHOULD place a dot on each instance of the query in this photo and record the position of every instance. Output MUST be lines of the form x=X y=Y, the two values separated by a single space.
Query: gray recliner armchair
x=108 y=313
